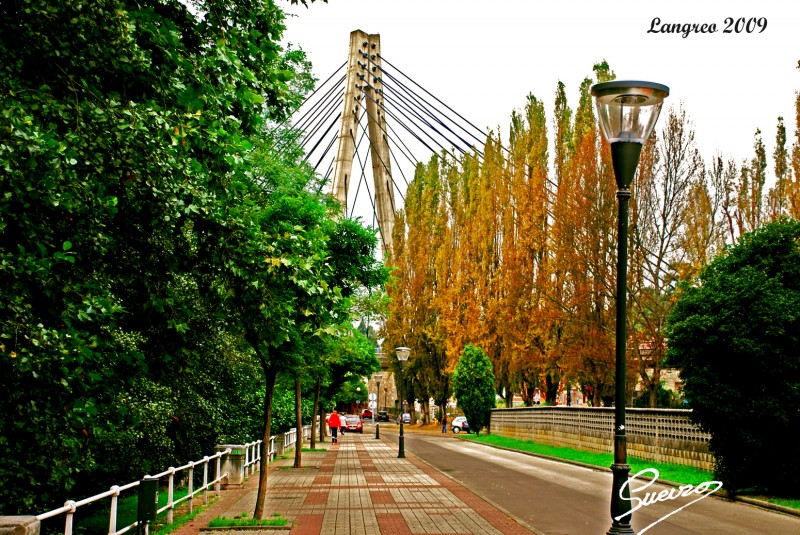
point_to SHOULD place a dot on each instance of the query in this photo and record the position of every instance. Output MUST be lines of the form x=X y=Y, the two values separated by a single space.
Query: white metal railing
x=290 y=436
x=71 y=506
x=252 y=463
x=252 y=457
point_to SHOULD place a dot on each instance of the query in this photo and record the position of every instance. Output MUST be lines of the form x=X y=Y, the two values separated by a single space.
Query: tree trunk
x=655 y=384
x=270 y=373
x=298 y=409
x=314 y=415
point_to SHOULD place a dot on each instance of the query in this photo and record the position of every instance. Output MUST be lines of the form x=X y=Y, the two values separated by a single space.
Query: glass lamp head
x=402 y=353
x=628 y=110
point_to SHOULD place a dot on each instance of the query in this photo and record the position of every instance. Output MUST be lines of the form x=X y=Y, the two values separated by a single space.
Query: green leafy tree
x=736 y=339
x=473 y=386
x=126 y=135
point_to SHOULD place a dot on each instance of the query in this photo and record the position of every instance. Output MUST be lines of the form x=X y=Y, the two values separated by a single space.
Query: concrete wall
x=661 y=435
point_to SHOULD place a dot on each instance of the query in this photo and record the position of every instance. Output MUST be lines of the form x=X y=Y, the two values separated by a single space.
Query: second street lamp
x=377 y=377
x=628 y=111
x=402 y=355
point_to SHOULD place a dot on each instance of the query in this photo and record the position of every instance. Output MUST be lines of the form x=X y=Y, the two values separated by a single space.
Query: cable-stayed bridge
x=365 y=128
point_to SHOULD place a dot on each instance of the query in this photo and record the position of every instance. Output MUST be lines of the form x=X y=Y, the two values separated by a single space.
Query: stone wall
x=660 y=435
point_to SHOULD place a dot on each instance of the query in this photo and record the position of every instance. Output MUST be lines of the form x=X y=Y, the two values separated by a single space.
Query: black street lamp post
x=377 y=377
x=402 y=355
x=628 y=111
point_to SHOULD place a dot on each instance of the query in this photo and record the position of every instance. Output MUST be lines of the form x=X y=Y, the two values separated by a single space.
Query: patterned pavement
x=360 y=487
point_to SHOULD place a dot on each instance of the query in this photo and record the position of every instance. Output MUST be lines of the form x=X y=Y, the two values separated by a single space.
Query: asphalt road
x=554 y=498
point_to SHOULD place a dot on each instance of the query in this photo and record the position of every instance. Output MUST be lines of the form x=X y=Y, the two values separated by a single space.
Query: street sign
x=373 y=396
x=372 y=404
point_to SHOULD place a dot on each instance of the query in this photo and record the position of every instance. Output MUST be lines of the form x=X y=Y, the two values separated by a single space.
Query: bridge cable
x=434 y=97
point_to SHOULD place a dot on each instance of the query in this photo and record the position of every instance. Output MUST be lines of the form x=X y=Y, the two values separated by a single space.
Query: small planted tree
x=473 y=386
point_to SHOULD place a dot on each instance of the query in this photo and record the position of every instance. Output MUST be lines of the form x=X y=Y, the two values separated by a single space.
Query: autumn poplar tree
x=703 y=235
x=793 y=186
x=587 y=217
x=776 y=197
x=524 y=325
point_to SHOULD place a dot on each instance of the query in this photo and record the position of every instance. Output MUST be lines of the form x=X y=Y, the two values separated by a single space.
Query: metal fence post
x=190 y=501
x=170 y=495
x=218 y=484
x=205 y=480
x=112 y=519
x=70 y=515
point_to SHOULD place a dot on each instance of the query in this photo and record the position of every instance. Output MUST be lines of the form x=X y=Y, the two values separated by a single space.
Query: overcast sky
x=482 y=57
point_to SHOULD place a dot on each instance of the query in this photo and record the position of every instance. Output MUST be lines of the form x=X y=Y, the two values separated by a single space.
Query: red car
x=366 y=414
x=352 y=424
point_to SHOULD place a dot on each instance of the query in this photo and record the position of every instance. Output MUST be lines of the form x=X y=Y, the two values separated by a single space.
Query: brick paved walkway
x=360 y=487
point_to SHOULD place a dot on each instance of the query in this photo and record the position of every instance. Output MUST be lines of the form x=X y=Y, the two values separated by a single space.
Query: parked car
x=406 y=418
x=352 y=424
x=459 y=424
x=366 y=414
x=381 y=416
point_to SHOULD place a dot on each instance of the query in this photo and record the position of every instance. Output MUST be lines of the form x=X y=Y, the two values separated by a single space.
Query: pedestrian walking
x=444 y=422
x=334 y=423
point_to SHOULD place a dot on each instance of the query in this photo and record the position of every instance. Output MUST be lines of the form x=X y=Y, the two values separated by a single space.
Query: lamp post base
x=620 y=500
x=401 y=452
x=620 y=528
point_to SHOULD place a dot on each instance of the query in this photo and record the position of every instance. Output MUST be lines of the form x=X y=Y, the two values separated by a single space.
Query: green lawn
x=243 y=520
x=97 y=520
x=667 y=472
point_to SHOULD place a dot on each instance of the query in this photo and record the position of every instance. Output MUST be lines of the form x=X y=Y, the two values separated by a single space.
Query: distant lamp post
x=628 y=111
x=402 y=355
x=377 y=377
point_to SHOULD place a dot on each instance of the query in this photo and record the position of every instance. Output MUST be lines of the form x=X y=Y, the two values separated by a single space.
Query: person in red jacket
x=334 y=423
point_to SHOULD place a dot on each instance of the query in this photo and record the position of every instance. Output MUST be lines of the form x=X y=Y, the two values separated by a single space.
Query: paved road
x=555 y=498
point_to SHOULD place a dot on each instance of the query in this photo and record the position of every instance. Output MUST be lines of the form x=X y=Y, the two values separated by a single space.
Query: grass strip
x=180 y=521
x=791 y=503
x=223 y=522
x=686 y=475
x=96 y=519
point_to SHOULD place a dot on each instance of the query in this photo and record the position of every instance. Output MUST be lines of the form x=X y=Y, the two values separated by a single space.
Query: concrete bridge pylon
x=364 y=95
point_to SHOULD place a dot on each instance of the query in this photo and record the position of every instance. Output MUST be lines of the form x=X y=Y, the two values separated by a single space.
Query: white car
x=459 y=424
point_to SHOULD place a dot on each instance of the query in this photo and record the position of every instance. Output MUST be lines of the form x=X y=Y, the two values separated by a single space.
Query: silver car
x=459 y=424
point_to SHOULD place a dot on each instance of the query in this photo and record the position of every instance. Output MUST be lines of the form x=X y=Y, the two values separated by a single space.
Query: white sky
x=482 y=57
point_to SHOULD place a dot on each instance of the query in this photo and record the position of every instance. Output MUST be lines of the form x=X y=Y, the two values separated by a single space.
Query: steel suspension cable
x=322 y=138
x=396 y=118
x=434 y=97
x=319 y=88
x=410 y=99
x=323 y=102
x=407 y=108
x=310 y=134
x=423 y=104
